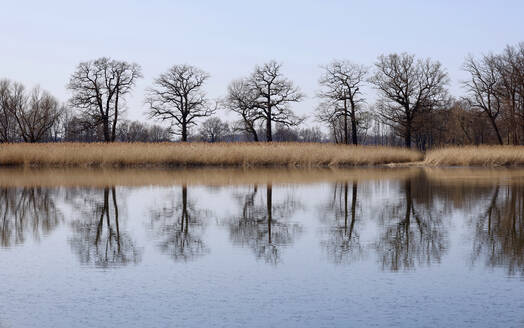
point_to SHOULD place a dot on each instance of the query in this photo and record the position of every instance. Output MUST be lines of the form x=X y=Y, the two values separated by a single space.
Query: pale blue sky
x=43 y=41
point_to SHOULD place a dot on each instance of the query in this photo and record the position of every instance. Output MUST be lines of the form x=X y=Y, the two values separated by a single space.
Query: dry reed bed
x=488 y=156
x=200 y=154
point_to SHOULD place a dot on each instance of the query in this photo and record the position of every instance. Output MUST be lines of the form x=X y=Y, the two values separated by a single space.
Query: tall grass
x=489 y=156
x=200 y=154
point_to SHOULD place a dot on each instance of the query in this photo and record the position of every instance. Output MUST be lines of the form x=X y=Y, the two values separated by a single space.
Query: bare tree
x=508 y=72
x=483 y=89
x=30 y=118
x=214 y=129
x=242 y=99
x=274 y=95
x=178 y=97
x=342 y=82
x=408 y=87
x=36 y=116
x=99 y=87
x=12 y=95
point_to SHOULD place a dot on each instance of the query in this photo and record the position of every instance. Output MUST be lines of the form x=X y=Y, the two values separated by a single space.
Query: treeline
x=413 y=106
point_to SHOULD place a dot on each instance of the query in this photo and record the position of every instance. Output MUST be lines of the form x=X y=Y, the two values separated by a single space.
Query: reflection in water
x=412 y=234
x=27 y=211
x=180 y=229
x=263 y=227
x=97 y=237
x=402 y=221
x=499 y=230
x=343 y=243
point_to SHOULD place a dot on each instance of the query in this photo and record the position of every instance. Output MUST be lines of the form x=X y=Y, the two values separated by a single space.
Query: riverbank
x=200 y=154
x=248 y=155
x=487 y=156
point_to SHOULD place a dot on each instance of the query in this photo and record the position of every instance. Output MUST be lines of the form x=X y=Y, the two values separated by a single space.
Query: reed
x=488 y=156
x=200 y=154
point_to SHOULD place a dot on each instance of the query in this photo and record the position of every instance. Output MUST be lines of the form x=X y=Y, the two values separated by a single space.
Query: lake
x=411 y=247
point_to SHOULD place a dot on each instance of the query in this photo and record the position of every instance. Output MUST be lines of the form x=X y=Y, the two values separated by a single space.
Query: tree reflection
x=343 y=243
x=262 y=227
x=98 y=239
x=499 y=231
x=27 y=211
x=180 y=229
x=413 y=234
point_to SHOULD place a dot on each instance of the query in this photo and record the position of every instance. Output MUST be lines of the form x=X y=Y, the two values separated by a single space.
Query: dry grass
x=200 y=154
x=489 y=156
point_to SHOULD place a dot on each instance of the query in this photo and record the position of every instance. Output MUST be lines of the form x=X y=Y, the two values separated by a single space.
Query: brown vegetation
x=135 y=177
x=132 y=177
x=489 y=156
x=200 y=154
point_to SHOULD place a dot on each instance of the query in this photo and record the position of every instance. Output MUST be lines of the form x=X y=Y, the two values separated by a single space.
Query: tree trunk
x=346 y=137
x=497 y=132
x=407 y=137
x=269 y=135
x=354 y=129
x=115 y=121
x=105 y=123
x=184 y=131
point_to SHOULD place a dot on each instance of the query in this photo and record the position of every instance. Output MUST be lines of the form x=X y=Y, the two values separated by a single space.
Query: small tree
x=12 y=95
x=214 y=129
x=242 y=99
x=178 y=97
x=342 y=82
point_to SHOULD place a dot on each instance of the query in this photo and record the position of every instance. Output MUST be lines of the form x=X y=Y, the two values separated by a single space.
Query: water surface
x=236 y=248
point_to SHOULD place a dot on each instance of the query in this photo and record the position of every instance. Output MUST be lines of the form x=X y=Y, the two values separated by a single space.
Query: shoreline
x=250 y=155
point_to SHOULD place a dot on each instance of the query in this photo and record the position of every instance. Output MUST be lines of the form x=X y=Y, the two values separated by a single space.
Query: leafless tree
x=483 y=89
x=136 y=131
x=242 y=99
x=99 y=87
x=342 y=82
x=274 y=95
x=178 y=97
x=408 y=87
x=27 y=117
x=158 y=133
x=509 y=76
x=214 y=129
x=37 y=115
x=12 y=95
x=313 y=134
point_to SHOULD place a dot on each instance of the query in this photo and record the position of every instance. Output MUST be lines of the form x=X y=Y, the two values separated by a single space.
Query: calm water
x=412 y=249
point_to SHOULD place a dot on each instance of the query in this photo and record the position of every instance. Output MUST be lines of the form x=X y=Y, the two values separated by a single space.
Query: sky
x=43 y=41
